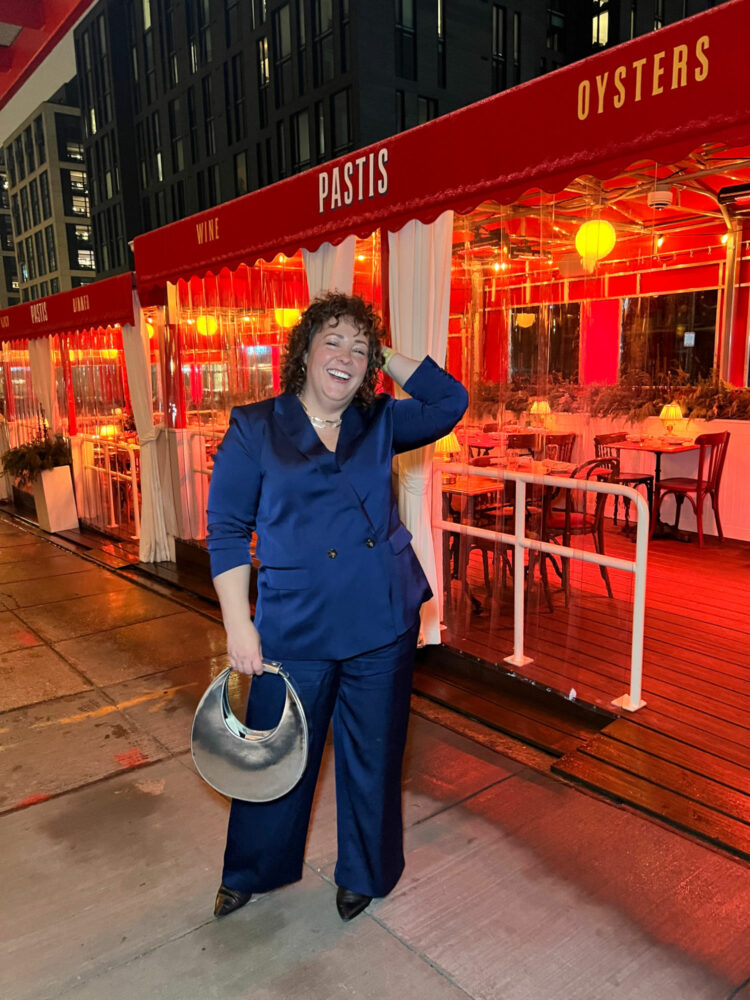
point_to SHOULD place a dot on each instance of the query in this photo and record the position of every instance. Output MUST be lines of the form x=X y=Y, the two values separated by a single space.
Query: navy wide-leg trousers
x=368 y=698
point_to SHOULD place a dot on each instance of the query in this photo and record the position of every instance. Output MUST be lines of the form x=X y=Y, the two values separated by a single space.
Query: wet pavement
x=517 y=886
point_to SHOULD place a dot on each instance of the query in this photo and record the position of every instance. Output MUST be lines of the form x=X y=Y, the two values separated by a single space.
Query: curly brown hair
x=333 y=305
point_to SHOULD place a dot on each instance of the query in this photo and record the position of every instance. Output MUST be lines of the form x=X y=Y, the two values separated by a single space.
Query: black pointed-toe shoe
x=350 y=904
x=228 y=900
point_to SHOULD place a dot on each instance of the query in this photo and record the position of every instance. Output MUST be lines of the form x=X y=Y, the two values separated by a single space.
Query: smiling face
x=336 y=364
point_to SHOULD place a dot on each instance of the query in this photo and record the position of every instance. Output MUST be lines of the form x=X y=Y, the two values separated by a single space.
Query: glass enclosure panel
x=572 y=314
x=224 y=334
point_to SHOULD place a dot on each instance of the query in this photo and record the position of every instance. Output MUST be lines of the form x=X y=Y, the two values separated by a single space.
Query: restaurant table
x=470 y=488
x=658 y=447
x=484 y=443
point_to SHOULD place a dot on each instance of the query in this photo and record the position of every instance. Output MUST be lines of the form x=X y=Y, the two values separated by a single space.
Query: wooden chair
x=575 y=518
x=713 y=451
x=603 y=449
x=559 y=447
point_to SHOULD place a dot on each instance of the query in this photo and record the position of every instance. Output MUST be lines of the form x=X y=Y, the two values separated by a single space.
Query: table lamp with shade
x=445 y=448
x=539 y=412
x=448 y=446
x=669 y=416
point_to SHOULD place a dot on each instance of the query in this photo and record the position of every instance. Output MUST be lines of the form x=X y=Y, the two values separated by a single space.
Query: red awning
x=656 y=98
x=31 y=29
x=102 y=303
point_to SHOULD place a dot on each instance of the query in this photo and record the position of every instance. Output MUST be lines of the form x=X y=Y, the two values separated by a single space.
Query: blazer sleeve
x=438 y=401
x=233 y=495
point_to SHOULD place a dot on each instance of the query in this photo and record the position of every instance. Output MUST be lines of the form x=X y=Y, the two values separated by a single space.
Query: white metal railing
x=107 y=467
x=520 y=541
x=205 y=465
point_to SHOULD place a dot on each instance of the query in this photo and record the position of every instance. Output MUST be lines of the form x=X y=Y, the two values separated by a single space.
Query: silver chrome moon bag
x=249 y=764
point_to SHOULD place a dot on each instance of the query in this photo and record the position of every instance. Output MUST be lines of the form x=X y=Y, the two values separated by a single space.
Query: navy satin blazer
x=337 y=575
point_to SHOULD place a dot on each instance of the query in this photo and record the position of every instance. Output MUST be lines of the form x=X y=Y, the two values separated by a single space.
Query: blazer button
x=332 y=553
x=370 y=543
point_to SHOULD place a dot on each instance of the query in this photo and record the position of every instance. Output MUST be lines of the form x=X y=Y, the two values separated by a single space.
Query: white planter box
x=54 y=499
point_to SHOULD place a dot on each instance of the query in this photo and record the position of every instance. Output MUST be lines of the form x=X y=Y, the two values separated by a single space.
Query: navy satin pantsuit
x=339 y=592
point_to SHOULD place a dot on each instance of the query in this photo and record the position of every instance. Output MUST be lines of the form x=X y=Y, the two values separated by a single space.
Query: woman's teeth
x=339 y=374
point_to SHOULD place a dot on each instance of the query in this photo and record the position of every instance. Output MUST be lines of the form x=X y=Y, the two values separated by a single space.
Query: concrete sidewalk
x=517 y=886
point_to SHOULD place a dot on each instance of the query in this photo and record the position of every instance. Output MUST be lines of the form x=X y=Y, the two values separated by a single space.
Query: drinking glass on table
x=512 y=458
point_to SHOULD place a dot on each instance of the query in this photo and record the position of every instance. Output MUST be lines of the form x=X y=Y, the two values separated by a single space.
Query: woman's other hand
x=244 y=649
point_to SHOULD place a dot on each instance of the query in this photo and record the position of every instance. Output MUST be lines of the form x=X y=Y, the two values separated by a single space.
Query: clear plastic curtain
x=43 y=380
x=154 y=543
x=330 y=268
x=419 y=281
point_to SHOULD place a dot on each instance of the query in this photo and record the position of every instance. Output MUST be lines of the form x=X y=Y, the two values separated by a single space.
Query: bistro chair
x=559 y=447
x=713 y=451
x=575 y=518
x=603 y=449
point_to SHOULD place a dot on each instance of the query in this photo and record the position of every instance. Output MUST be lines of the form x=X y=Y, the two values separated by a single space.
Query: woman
x=339 y=589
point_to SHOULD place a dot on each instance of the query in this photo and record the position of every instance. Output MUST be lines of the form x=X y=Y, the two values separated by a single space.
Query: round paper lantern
x=525 y=320
x=206 y=325
x=286 y=318
x=594 y=240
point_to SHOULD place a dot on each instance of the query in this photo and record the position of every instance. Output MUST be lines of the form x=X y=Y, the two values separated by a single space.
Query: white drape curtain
x=43 y=380
x=419 y=283
x=330 y=268
x=155 y=545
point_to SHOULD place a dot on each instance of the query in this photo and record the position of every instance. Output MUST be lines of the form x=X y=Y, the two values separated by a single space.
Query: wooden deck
x=685 y=757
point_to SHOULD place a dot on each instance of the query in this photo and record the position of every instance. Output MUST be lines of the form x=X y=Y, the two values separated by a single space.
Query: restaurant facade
x=581 y=241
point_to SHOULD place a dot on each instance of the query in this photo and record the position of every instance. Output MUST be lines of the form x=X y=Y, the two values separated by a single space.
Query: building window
x=301 y=47
x=281 y=148
x=44 y=191
x=49 y=239
x=341 y=122
x=28 y=145
x=323 y=60
x=427 y=109
x=320 y=129
x=499 y=48
x=40 y=258
x=30 y=261
x=600 y=24
x=406 y=40
x=175 y=136
x=20 y=164
x=178 y=200
x=25 y=208
x=11 y=165
x=516 y=47
x=264 y=80
x=36 y=217
x=74 y=151
x=16 y=214
x=193 y=125
x=21 y=258
x=441 y=59
x=43 y=288
x=400 y=111
x=41 y=148
x=173 y=66
x=6 y=233
x=234 y=87
x=78 y=182
x=555 y=30
x=633 y=17
x=282 y=55
x=240 y=174
x=232 y=22
x=80 y=204
x=156 y=147
x=300 y=134
x=208 y=116
x=54 y=286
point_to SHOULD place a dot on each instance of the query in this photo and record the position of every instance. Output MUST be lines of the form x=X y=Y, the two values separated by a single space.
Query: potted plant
x=44 y=463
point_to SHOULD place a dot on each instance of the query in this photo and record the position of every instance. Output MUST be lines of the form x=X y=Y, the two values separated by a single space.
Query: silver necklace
x=319 y=422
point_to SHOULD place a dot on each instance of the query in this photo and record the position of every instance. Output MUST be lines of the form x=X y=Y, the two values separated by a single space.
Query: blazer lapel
x=293 y=421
